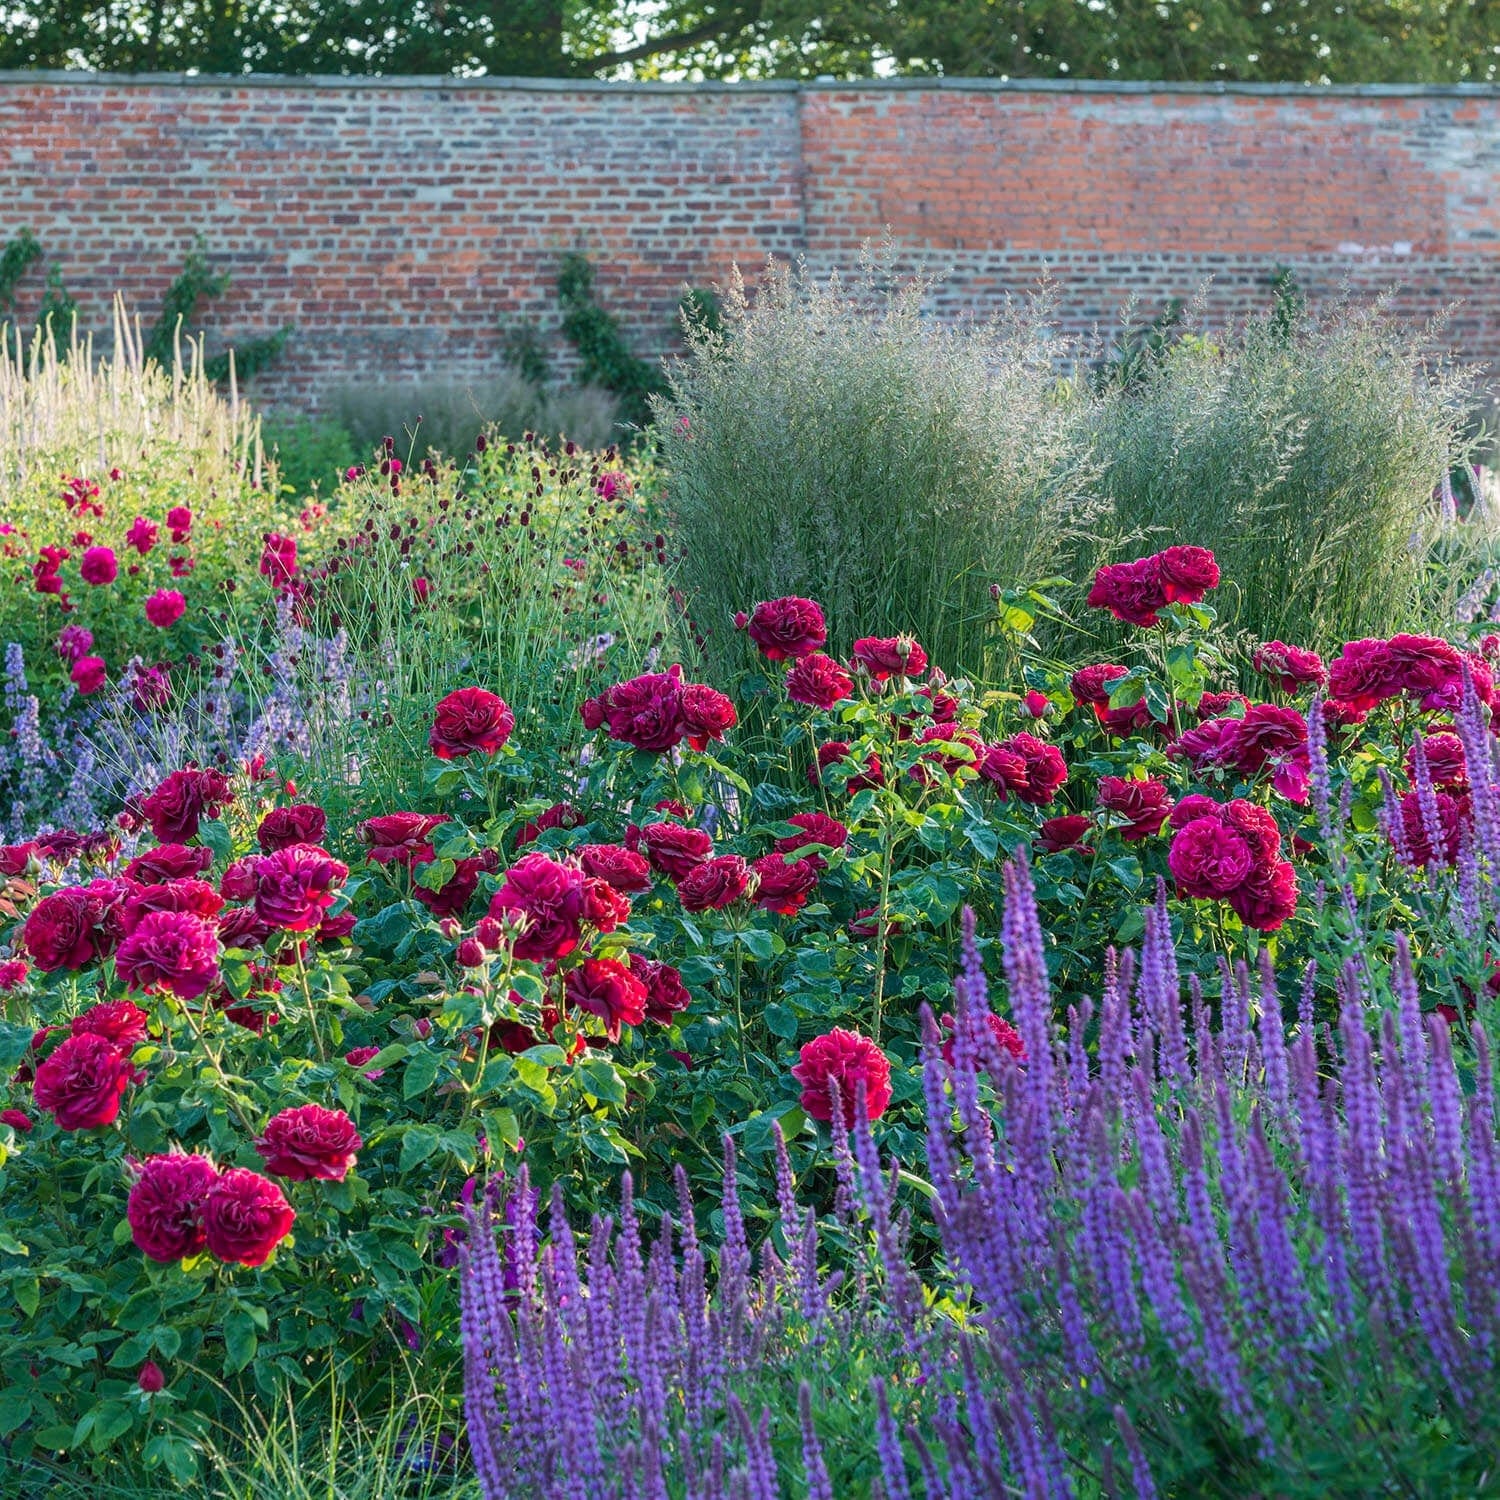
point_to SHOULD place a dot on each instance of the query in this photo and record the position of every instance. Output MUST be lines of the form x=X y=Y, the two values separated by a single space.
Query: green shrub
x=447 y=415
x=1303 y=452
x=311 y=453
x=834 y=443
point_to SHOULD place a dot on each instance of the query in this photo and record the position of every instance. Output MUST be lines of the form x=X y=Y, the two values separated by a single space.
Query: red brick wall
x=398 y=224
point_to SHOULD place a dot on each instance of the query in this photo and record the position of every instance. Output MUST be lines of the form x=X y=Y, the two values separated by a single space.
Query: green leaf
x=15 y=1408
x=782 y=1021
x=386 y=928
x=112 y=1419
x=452 y=841
x=240 y=1341
x=759 y=944
x=434 y=875
x=420 y=1072
x=419 y=1142
x=984 y=839
x=1156 y=701
x=602 y=1080
x=28 y=1293
x=215 y=836
x=501 y=1124
x=1127 y=871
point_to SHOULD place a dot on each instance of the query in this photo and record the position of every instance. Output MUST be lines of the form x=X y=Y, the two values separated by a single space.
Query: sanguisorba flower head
x=846 y=1060
x=296 y=885
x=470 y=720
x=172 y=951
x=245 y=1217
x=785 y=629
x=551 y=899
x=165 y=1206
x=309 y=1142
x=82 y=1082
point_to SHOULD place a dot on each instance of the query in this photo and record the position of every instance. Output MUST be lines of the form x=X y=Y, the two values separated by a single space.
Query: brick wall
x=399 y=223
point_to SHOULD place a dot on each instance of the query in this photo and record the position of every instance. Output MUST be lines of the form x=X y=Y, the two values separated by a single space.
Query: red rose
x=1364 y=674
x=76 y=925
x=715 y=884
x=674 y=850
x=622 y=868
x=170 y=950
x=813 y=829
x=295 y=886
x=357 y=1057
x=559 y=815
x=165 y=1206
x=1132 y=591
x=467 y=720
x=13 y=974
x=284 y=826
x=1186 y=573
x=787 y=629
x=459 y=888
x=169 y=862
x=1036 y=704
x=706 y=714
x=245 y=1217
x=1007 y=1038
x=335 y=929
x=400 y=838
x=1268 y=732
x=1057 y=834
x=818 y=681
x=180 y=522
x=1208 y=745
x=896 y=656
x=150 y=1378
x=1453 y=819
x=1046 y=770
x=1208 y=859
x=1445 y=762
x=175 y=808
x=1267 y=898
x=967 y=756
x=15 y=859
x=1143 y=804
x=237 y=883
x=82 y=1082
x=120 y=1022
x=197 y=897
x=834 y=753
x=17 y=1119
x=89 y=674
x=606 y=988
x=1212 y=705
x=309 y=1143
x=780 y=886
x=592 y=712
x=1091 y=685
x=278 y=559
x=604 y=908
x=1288 y=667
x=141 y=535
x=165 y=607
x=646 y=712
x=550 y=897
x=240 y=927
x=847 y=1060
x=97 y=566
x=1256 y=826
x=666 y=994
x=1003 y=768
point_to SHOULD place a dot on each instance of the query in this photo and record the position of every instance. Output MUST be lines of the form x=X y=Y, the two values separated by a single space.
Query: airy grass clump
x=1305 y=453
x=833 y=442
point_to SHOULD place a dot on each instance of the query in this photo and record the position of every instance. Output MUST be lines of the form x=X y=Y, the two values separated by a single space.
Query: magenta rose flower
x=245 y=1217
x=1130 y=591
x=608 y=989
x=813 y=828
x=89 y=674
x=468 y=720
x=1290 y=668
x=1364 y=674
x=308 y=1143
x=894 y=656
x=1446 y=764
x=604 y=908
x=1267 y=898
x=1066 y=832
x=1007 y=1038
x=97 y=566
x=142 y=535
x=457 y=891
x=843 y=1060
x=666 y=994
x=278 y=559
x=1186 y=574
x=1143 y=804
x=646 y=711
x=295 y=886
x=715 y=884
x=284 y=826
x=1042 y=768
x=674 y=850
x=1209 y=859
x=82 y=1082
x=121 y=1023
x=624 y=869
x=836 y=752
x=783 y=886
x=165 y=1206
x=177 y=806
x=1454 y=817
x=169 y=862
x=786 y=629
x=559 y=815
x=706 y=714
x=550 y=897
x=196 y=897
x=819 y=682
x=1091 y=685
x=165 y=607
x=401 y=838
x=172 y=951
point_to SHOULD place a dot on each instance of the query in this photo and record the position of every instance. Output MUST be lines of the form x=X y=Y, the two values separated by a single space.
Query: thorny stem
x=214 y=1058
x=882 y=925
x=307 y=999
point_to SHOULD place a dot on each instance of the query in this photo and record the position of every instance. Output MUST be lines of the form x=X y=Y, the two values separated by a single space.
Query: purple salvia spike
x=971 y=1003
x=1319 y=780
x=1079 y=1017
x=1484 y=1159
x=1413 y=1033
x=1469 y=914
x=786 y=1194
x=1026 y=976
x=563 y=1252
x=1158 y=1275
x=815 y=1481
x=1221 y=1358
x=734 y=1257
x=903 y=1291
x=932 y=1479
x=1203 y=1035
x=1155 y=1173
x=1362 y=1151
x=1305 y=1000
x=846 y=1194
x=1140 y=1470
x=1273 y=1041
x=1392 y=824
x=1082 y=1358
x=888 y=1446
x=942 y=1160
x=1478 y=758
x=1114 y=1045
x=1202 y=1227
x=1234 y=1018
x=1286 y=1291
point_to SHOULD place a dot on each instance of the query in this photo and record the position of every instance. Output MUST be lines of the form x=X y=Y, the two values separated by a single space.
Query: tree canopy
x=1302 y=41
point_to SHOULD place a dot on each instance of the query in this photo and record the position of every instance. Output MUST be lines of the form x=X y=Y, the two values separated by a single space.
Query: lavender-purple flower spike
x=815 y=1480
x=1026 y=976
x=888 y=1445
x=1272 y=1035
x=1319 y=779
x=1484 y=795
x=1140 y=1470
x=1392 y=824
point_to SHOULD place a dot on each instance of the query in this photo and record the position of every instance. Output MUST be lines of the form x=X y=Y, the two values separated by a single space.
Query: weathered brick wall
x=399 y=223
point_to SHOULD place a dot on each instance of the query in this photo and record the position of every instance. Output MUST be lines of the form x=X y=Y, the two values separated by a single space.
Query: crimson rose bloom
x=240 y=927
x=284 y=826
x=1130 y=591
x=82 y=1082
x=455 y=895
x=1045 y=769
x=604 y=908
x=787 y=629
x=706 y=714
x=1057 y=834
x=666 y=994
x=470 y=719
x=16 y=858
x=67 y=930
x=1186 y=573
x=818 y=681
x=120 y=1022
x=98 y=566
x=1145 y=804
x=278 y=559
x=13 y=972
x=17 y=1119
x=1213 y=705
x=894 y=656
x=780 y=886
x=175 y=808
x=1209 y=859
x=559 y=815
x=812 y=828
x=845 y=1060
x=169 y=862
x=608 y=989
x=400 y=838
x=835 y=752
x=1288 y=667
x=1267 y=898
x=1007 y=1038
x=1364 y=674
x=170 y=950
x=237 y=883
x=89 y=674
x=295 y=886
x=1453 y=819
x=952 y=761
x=165 y=607
x=1445 y=762
x=245 y=1217
x=623 y=868
x=1091 y=685
x=714 y=885
x=674 y=850
x=309 y=1142
x=195 y=896
x=165 y=1206
x=550 y=896
x=646 y=711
